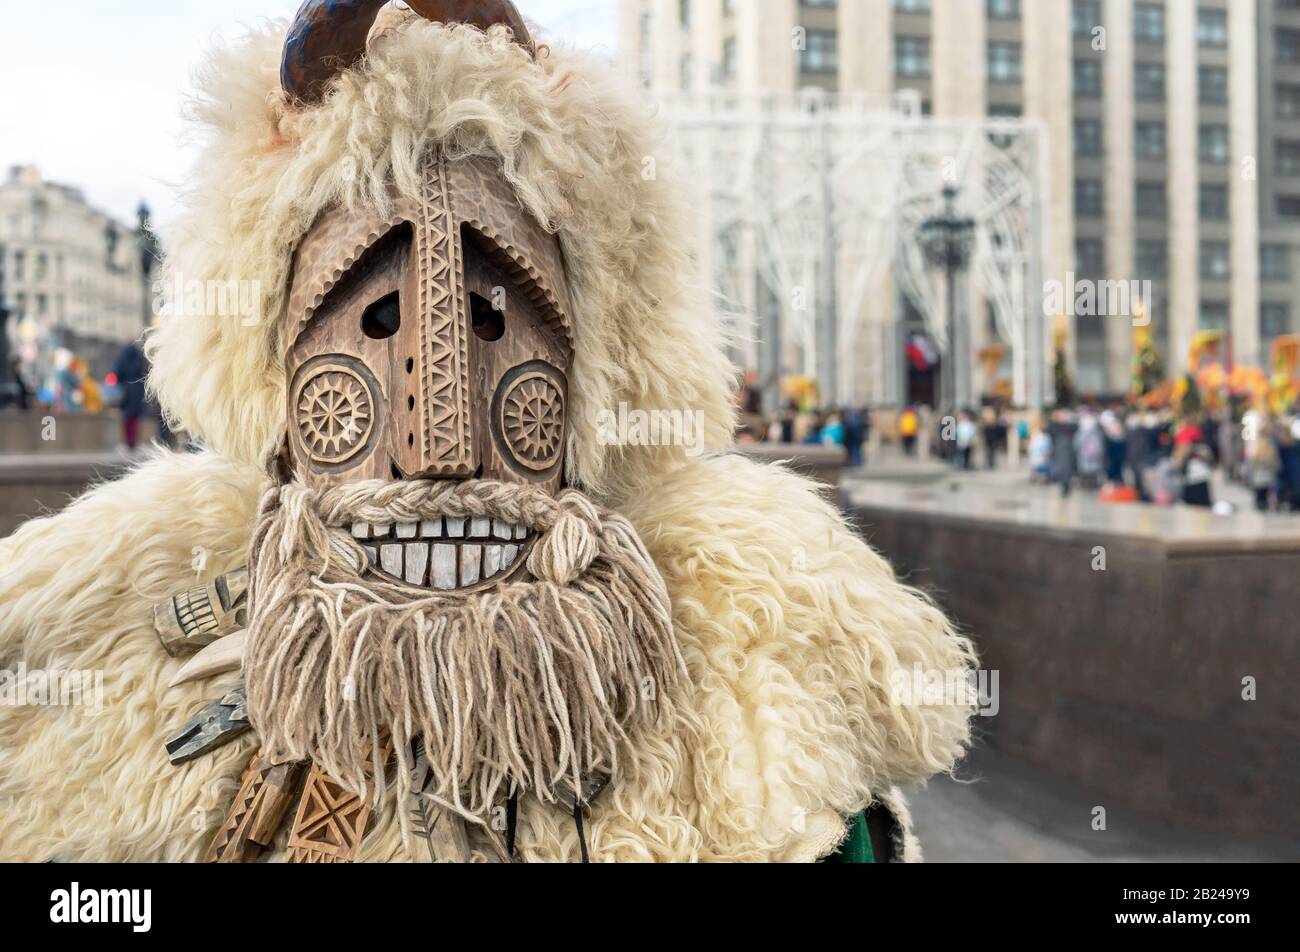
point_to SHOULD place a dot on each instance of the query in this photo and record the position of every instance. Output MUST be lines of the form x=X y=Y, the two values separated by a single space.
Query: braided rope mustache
x=531 y=683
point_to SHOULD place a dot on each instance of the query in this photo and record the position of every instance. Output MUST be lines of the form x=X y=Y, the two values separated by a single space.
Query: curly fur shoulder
x=792 y=628
x=76 y=595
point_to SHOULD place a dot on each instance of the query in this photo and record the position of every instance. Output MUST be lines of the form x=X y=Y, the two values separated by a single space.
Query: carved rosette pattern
x=447 y=436
x=532 y=421
x=335 y=414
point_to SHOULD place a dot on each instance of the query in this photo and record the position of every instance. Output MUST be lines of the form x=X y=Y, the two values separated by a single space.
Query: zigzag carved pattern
x=447 y=436
x=525 y=250
x=330 y=824
x=317 y=264
x=230 y=845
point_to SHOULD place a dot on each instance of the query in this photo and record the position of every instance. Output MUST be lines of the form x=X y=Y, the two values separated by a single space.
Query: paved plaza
x=1000 y=806
x=1004 y=811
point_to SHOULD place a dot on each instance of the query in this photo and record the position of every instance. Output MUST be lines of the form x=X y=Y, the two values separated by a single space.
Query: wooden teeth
x=443 y=554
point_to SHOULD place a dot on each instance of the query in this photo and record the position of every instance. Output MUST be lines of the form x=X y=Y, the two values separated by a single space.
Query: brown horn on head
x=483 y=14
x=329 y=36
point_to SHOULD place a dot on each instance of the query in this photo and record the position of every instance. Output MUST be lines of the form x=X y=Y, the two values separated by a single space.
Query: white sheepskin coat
x=791 y=627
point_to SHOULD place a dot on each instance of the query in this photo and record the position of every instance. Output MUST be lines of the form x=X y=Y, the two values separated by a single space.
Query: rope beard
x=530 y=683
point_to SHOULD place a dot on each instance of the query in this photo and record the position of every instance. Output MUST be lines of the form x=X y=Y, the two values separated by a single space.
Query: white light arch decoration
x=785 y=184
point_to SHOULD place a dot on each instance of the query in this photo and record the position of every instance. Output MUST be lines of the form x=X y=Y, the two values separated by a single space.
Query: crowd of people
x=1124 y=453
x=1162 y=457
x=849 y=428
x=66 y=386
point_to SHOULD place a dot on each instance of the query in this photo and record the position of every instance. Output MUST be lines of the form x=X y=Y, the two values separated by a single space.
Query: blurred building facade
x=1174 y=131
x=74 y=277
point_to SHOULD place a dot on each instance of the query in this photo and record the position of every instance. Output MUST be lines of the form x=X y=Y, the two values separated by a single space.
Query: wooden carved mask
x=434 y=343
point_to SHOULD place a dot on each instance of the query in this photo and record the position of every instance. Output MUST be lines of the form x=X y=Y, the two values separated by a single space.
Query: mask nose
x=433 y=429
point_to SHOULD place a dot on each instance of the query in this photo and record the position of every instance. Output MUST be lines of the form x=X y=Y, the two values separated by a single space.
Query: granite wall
x=1127 y=680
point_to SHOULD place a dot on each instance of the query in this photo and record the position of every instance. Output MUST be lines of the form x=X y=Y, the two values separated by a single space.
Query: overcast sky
x=91 y=90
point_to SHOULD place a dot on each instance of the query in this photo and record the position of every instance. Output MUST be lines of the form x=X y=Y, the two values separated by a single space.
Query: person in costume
x=412 y=602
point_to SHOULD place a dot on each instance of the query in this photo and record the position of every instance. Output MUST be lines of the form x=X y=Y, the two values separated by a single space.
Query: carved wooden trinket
x=265 y=794
x=199 y=616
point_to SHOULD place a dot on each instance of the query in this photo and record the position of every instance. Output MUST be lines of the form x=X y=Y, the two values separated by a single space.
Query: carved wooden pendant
x=331 y=820
x=197 y=617
x=330 y=824
x=265 y=793
x=439 y=834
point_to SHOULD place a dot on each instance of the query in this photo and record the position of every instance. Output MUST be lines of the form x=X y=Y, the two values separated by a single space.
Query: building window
x=912 y=6
x=1214 y=316
x=1275 y=262
x=1085 y=16
x=1212 y=84
x=686 y=67
x=1288 y=157
x=1149 y=140
x=1149 y=80
x=1274 y=320
x=1287 y=98
x=729 y=57
x=1213 y=144
x=1088 y=137
x=1004 y=9
x=1288 y=206
x=1211 y=27
x=821 y=55
x=1152 y=259
x=1288 y=46
x=1004 y=139
x=1214 y=202
x=1089 y=198
x=1087 y=78
x=1149 y=23
x=728 y=8
x=1004 y=62
x=911 y=56
x=1151 y=200
x=1215 y=263
x=1089 y=256
x=684 y=13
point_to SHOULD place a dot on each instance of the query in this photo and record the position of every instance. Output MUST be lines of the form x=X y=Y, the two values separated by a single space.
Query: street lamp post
x=4 y=322
x=947 y=239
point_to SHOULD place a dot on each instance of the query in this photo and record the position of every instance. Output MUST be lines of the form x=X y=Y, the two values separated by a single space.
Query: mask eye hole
x=489 y=323
x=382 y=319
